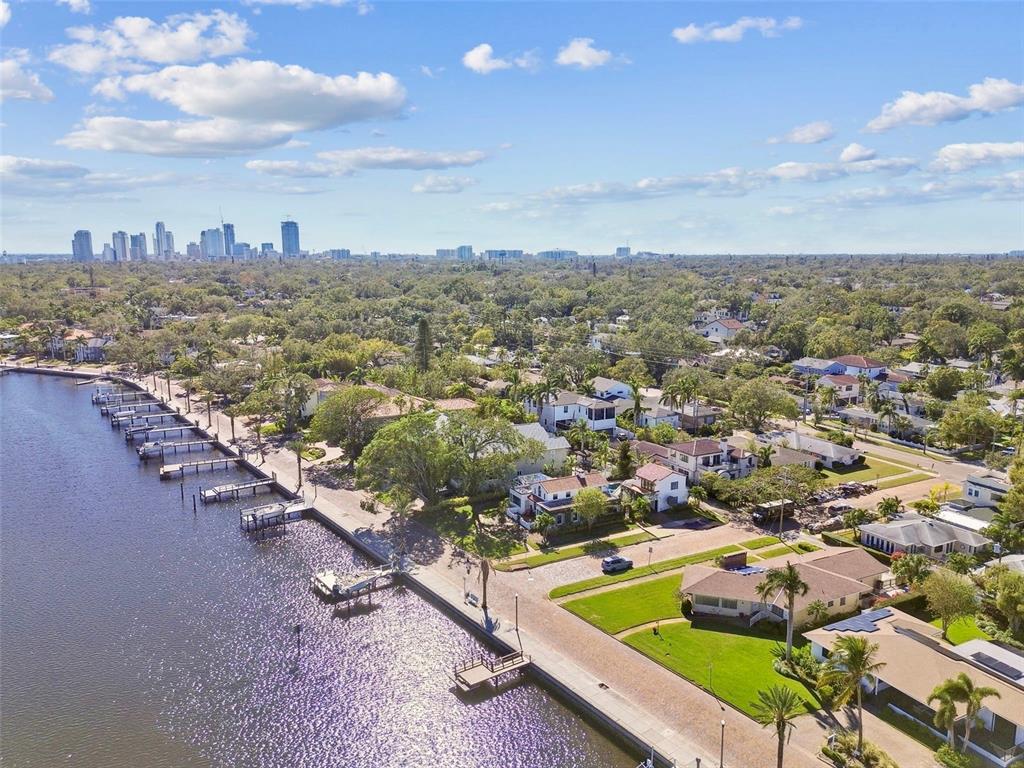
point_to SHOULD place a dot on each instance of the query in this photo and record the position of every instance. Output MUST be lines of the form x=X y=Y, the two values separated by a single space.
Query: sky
x=410 y=126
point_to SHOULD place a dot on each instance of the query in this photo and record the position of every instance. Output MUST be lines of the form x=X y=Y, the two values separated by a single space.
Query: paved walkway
x=681 y=720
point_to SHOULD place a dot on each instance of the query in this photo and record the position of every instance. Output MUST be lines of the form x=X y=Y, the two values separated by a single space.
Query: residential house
x=648 y=451
x=94 y=350
x=986 y=488
x=825 y=452
x=608 y=389
x=725 y=328
x=816 y=366
x=533 y=494
x=847 y=387
x=915 y=534
x=844 y=583
x=862 y=417
x=8 y=341
x=964 y=514
x=64 y=344
x=662 y=486
x=555 y=449
x=696 y=416
x=857 y=365
x=914 y=659
x=566 y=408
x=696 y=457
x=787 y=457
x=915 y=370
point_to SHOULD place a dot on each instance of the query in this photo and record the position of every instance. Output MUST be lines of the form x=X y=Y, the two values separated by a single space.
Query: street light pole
x=721 y=754
x=517 y=612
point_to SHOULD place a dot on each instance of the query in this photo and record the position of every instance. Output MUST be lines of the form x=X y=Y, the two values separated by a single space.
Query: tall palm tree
x=853 y=660
x=698 y=495
x=297 y=447
x=873 y=396
x=946 y=693
x=579 y=434
x=862 y=381
x=777 y=708
x=974 y=697
x=887 y=412
x=785 y=581
x=207 y=354
x=638 y=404
x=515 y=384
x=828 y=397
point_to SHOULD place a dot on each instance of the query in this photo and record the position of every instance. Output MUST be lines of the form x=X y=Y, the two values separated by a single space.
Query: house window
x=705 y=600
x=937 y=549
x=842 y=601
x=575 y=517
x=559 y=519
x=730 y=604
x=831 y=603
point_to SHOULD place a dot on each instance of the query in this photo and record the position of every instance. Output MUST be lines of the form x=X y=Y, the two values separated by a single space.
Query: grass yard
x=961 y=631
x=621 y=609
x=505 y=540
x=801 y=548
x=741 y=659
x=761 y=542
x=636 y=573
x=862 y=472
x=913 y=477
x=593 y=548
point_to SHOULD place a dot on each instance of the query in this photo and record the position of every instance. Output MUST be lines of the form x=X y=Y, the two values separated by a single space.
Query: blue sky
x=690 y=128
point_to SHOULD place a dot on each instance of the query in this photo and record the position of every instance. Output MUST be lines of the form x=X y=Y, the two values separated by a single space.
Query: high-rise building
x=160 y=241
x=240 y=249
x=290 y=238
x=445 y=253
x=211 y=244
x=623 y=252
x=193 y=251
x=119 y=241
x=108 y=253
x=137 y=248
x=229 y=239
x=557 y=253
x=503 y=254
x=81 y=246
x=339 y=253
x=168 y=244
x=464 y=252
x=266 y=248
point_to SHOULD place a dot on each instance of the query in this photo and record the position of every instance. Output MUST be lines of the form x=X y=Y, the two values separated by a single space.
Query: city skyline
x=675 y=128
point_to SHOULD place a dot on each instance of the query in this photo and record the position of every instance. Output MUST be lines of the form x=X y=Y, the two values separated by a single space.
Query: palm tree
x=638 y=403
x=889 y=506
x=785 y=581
x=579 y=434
x=828 y=397
x=515 y=384
x=887 y=412
x=818 y=611
x=358 y=375
x=698 y=495
x=297 y=447
x=764 y=456
x=974 y=697
x=777 y=708
x=207 y=354
x=862 y=381
x=853 y=660
x=946 y=694
x=873 y=396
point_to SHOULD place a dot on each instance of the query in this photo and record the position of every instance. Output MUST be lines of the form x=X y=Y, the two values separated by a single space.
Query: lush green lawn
x=864 y=472
x=961 y=631
x=596 y=547
x=801 y=547
x=914 y=477
x=741 y=659
x=760 y=542
x=644 y=570
x=627 y=607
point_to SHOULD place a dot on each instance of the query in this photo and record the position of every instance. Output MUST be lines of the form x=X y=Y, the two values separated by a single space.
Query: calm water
x=134 y=633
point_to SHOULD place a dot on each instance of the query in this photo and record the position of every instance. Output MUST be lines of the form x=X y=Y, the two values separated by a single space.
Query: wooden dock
x=168 y=471
x=235 y=490
x=113 y=409
x=142 y=419
x=159 y=449
x=130 y=433
x=333 y=586
x=272 y=515
x=479 y=670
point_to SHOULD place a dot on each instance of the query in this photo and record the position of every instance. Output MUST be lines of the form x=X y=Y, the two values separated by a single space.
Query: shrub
x=950 y=758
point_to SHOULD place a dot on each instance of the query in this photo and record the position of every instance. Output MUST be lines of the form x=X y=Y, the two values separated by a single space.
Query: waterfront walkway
x=660 y=708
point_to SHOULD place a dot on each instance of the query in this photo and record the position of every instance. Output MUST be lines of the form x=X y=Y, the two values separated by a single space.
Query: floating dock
x=142 y=419
x=168 y=471
x=272 y=515
x=157 y=448
x=112 y=409
x=479 y=670
x=130 y=433
x=331 y=585
x=235 y=490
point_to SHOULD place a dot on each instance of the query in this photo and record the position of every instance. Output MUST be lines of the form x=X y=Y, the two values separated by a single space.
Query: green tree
x=777 y=708
x=973 y=696
x=631 y=369
x=985 y=338
x=943 y=382
x=298 y=447
x=483 y=451
x=624 y=461
x=949 y=596
x=960 y=562
x=854 y=518
x=818 y=611
x=757 y=400
x=590 y=504
x=423 y=349
x=911 y=569
x=786 y=581
x=543 y=523
x=259 y=406
x=946 y=694
x=1009 y=600
x=347 y=418
x=408 y=455
x=854 y=659
x=889 y=506
x=969 y=421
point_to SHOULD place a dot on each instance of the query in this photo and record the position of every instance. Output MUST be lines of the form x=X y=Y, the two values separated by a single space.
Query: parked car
x=616 y=564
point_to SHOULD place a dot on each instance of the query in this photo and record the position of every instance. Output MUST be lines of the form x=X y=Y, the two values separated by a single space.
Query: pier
x=115 y=397
x=331 y=585
x=140 y=419
x=157 y=448
x=168 y=471
x=479 y=670
x=113 y=409
x=235 y=490
x=272 y=515
x=130 y=433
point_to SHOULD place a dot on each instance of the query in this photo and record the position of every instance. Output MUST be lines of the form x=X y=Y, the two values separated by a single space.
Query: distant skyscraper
x=464 y=252
x=445 y=253
x=138 y=246
x=119 y=241
x=266 y=248
x=623 y=252
x=160 y=241
x=168 y=244
x=503 y=254
x=193 y=251
x=108 y=253
x=557 y=253
x=229 y=239
x=81 y=246
x=290 y=238
x=211 y=243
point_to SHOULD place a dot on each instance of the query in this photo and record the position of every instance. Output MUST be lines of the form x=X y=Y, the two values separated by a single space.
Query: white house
x=829 y=454
x=92 y=351
x=725 y=328
x=662 y=486
x=856 y=365
x=986 y=489
x=566 y=408
x=695 y=457
x=533 y=494
x=915 y=534
x=555 y=449
x=609 y=388
x=847 y=387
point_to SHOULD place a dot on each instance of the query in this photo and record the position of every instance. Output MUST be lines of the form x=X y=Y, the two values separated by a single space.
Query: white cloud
x=247 y=105
x=19 y=83
x=345 y=162
x=581 y=53
x=36 y=177
x=816 y=172
x=934 y=107
x=5 y=13
x=77 y=6
x=12 y=166
x=810 y=133
x=954 y=158
x=856 y=153
x=431 y=72
x=733 y=33
x=134 y=43
x=481 y=60
x=362 y=8
x=443 y=185
x=1008 y=186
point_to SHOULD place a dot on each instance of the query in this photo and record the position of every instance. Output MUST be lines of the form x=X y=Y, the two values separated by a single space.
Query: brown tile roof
x=573 y=482
x=859 y=361
x=454 y=404
x=729 y=322
x=649 y=450
x=702 y=447
x=839 y=378
x=653 y=472
x=854 y=563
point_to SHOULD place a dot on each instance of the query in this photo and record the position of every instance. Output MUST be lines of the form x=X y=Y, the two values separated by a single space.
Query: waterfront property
x=916 y=659
x=536 y=493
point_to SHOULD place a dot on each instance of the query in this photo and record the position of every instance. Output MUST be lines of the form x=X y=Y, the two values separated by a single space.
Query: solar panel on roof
x=997 y=666
x=865 y=622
